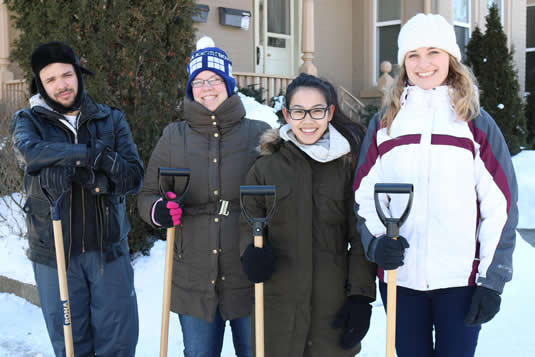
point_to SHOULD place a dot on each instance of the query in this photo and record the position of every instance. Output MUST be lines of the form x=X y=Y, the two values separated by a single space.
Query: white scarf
x=329 y=147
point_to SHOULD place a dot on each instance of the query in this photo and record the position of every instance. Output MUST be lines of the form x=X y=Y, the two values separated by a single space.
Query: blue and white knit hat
x=207 y=57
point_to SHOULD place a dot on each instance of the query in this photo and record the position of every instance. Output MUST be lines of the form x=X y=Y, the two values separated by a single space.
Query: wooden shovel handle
x=391 y=312
x=63 y=287
x=259 y=308
x=166 y=305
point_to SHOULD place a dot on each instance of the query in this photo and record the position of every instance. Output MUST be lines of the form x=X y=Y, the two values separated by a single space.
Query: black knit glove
x=56 y=180
x=389 y=252
x=354 y=317
x=258 y=263
x=485 y=305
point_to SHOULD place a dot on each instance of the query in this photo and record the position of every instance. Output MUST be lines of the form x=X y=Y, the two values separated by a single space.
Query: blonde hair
x=463 y=91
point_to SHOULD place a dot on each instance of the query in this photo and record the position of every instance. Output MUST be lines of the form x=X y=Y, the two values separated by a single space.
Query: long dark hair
x=352 y=131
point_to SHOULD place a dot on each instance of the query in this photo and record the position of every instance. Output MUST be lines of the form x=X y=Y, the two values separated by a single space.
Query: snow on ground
x=510 y=333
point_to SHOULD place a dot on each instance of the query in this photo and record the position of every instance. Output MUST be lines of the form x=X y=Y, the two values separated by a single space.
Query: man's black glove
x=485 y=305
x=389 y=252
x=96 y=182
x=84 y=176
x=95 y=151
x=258 y=263
x=354 y=317
x=56 y=179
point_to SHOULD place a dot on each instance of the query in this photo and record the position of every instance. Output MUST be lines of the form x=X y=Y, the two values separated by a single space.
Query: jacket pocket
x=283 y=204
x=330 y=200
x=113 y=218
x=39 y=223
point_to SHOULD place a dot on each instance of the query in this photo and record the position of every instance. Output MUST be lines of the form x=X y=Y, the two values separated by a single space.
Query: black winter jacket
x=89 y=222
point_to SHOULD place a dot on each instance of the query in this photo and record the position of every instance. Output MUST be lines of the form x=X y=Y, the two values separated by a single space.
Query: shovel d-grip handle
x=392 y=230
x=174 y=172
x=166 y=304
x=258 y=224
x=392 y=224
x=258 y=190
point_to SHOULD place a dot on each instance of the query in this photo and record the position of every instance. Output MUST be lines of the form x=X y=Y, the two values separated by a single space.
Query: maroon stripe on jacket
x=491 y=163
x=463 y=143
x=369 y=161
x=399 y=141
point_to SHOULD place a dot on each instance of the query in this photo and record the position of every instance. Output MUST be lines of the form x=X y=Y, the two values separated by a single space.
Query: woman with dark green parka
x=318 y=285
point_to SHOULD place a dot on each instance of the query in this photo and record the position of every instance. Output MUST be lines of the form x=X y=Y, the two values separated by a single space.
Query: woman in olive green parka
x=318 y=285
x=218 y=144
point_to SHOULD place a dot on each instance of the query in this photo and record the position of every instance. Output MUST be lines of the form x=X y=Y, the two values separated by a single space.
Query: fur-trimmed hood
x=270 y=142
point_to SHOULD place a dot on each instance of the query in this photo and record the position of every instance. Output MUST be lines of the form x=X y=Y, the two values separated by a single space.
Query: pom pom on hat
x=208 y=57
x=427 y=30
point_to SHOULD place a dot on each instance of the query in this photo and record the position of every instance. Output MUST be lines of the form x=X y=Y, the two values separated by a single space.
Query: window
x=530 y=43
x=387 y=26
x=461 y=24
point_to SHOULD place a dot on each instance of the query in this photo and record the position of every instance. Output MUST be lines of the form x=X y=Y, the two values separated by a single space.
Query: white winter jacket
x=461 y=228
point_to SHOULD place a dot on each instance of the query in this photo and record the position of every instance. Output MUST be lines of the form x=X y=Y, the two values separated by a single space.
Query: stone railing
x=271 y=85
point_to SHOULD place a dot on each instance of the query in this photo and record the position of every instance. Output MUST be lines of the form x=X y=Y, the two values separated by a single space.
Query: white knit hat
x=427 y=31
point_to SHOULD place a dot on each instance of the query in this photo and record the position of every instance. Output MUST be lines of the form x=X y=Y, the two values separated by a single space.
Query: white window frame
x=376 y=26
x=528 y=49
x=467 y=25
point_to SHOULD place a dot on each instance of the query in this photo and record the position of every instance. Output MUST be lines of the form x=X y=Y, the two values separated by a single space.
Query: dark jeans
x=205 y=339
x=419 y=312
x=104 y=316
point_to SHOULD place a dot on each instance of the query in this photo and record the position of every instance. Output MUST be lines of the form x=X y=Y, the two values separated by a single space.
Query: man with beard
x=69 y=146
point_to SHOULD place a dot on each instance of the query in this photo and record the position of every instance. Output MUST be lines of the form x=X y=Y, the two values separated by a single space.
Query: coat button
x=214 y=123
x=214 y=161
x=212 y=117
x=222 y=278
x=216 y=220
x=216 y=135
x=216 y=192
x=214 y=251
x=78 y=163
x=213 y=282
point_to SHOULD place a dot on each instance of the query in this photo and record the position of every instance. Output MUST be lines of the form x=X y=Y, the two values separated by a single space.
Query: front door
x=275 y=37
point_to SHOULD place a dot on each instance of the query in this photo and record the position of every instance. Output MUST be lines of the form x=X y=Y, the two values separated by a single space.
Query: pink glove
x=166 y=213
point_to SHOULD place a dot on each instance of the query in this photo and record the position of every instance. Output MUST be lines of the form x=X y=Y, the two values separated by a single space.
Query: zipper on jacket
x=100 y=232
x=70 y=231
x=428 y=186
x=83 y=219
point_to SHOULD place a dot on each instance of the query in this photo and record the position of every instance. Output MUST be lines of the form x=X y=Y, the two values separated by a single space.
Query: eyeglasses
x=212 y=82
x=315 y=113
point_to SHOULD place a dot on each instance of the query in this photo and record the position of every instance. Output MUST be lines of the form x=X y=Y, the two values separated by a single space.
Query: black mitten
x=56 y=179
x=354 y=317
x=389 y=252
x=485 y=305
x=258 y=263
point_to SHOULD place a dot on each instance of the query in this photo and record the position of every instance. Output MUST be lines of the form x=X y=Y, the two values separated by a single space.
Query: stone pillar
x=5 y=75
x=308 y=39
x=427 y=6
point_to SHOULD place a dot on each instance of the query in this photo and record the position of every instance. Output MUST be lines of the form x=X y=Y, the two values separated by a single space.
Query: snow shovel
x=166 y=306
x=258 y=224
x=55 y=212
x=392 y=230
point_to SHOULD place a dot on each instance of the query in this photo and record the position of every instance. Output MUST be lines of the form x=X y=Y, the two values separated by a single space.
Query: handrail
x=350 y=104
